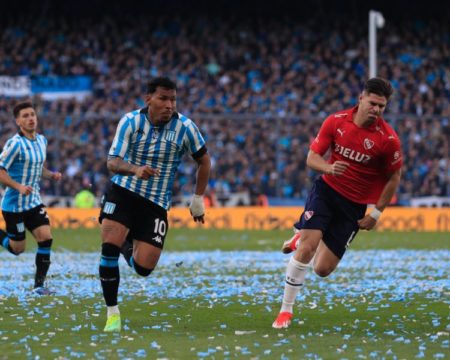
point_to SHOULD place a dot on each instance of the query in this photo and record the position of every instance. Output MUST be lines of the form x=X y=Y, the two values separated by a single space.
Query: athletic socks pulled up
x=295 y=277
x=109 y=273
x=4 y=241
x=42 y=262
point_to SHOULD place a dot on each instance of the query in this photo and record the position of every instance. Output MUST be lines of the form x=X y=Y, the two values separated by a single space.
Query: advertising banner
x=57 y=87
x=262 y=218
x=15 y=86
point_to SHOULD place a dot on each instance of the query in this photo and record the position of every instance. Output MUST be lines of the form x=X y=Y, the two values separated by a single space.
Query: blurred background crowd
x=258 y=86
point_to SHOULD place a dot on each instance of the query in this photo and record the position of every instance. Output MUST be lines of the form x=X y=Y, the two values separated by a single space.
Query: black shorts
x=16 y=223
x=146 y=221
x=333 y=214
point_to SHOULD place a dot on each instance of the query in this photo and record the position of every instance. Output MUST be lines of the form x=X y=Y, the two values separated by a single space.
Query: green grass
x=87 y=240
x=187 y=329
x=238 y=326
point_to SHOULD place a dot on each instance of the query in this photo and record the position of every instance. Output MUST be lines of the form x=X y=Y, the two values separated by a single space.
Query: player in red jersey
x=364 y=167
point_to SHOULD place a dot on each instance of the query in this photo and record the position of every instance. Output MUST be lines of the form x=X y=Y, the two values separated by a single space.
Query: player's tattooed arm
x=46 y=173
x=119 y=166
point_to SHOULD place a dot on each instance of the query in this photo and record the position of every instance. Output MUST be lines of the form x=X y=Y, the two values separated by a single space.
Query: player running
x=145 y=154
x=21 y=167
x=364 y=168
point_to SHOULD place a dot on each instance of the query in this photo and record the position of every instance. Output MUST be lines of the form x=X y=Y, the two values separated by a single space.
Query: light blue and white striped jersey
x=139 y=142
x=23 y=159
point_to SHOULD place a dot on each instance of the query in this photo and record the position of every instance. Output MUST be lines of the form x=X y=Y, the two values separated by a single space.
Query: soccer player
x=147 y=149
x=364 y=167
x=21 y=167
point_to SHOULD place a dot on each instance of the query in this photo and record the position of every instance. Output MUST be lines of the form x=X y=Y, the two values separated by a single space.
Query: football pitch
x=215 y=294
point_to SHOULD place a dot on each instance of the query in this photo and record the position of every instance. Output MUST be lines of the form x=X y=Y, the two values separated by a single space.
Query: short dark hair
x=163 y=82
x=20 y=106
x=379 y=86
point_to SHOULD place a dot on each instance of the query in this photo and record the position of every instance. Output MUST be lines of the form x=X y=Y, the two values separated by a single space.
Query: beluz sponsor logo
x=351 y=154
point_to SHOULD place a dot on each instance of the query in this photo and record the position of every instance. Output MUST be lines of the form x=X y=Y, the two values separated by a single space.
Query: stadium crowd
x=258 y=88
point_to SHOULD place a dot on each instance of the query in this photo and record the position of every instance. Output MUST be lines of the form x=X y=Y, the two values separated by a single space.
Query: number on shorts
x=43 y=212
x=160 y=227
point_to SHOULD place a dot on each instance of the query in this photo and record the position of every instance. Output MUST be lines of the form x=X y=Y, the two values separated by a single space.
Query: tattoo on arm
x=120 y=166
x=46 y=173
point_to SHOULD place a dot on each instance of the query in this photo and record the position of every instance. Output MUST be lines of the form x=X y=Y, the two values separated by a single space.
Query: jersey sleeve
x=9 y=153
x=122 y=138
x=393 y=155
x=193 y=139
x=325 y=138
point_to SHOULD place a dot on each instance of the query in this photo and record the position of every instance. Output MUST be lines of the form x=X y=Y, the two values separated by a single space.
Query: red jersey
x=372 y=153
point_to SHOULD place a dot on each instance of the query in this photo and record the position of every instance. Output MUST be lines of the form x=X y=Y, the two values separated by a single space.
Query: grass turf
x=238 y=326
x=202 y=329
x=88 y=240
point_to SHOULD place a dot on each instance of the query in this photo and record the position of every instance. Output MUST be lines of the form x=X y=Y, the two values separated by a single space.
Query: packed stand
x=259 y=89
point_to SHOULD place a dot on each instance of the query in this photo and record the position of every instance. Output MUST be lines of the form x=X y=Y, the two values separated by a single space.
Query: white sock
x=113 y=310
x=295 y=277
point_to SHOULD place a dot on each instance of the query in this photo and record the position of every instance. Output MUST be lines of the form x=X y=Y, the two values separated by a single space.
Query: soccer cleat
x=283 y=320
x=291 y=244
x=41 y=290
x=113 y=323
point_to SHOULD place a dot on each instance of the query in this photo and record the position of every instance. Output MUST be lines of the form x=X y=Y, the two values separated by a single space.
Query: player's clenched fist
x=144 y=172
x=367 y=223
x=197 y=208
x=338 y=168
x=56 y=176
x=25 y=189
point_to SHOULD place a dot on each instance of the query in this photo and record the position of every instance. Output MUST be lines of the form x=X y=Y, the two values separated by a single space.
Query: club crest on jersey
x=308 y=215
x=368 y=144
x=170 y=135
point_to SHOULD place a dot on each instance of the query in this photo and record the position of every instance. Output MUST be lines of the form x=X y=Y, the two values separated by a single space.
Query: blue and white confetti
x=219 y=275
x=370 y=277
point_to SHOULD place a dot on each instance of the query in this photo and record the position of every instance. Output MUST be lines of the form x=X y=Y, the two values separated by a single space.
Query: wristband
x=197 y=206
x=375 y=214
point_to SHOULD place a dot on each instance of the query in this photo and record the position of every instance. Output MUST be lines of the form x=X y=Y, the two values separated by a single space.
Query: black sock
x=4 y=241
x=42 y=262
x=127 y=251
x=109 y=273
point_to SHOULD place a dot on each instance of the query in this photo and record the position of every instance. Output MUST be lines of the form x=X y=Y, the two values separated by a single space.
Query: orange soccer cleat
x=291 y=244
x=283 y=320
